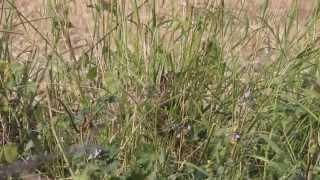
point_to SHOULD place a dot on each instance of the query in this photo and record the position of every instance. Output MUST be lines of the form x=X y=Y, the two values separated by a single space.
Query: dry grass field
x=87 y=27
x=81 y=16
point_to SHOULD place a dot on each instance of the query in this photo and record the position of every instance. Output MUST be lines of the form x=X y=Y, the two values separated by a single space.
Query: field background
x=87 y=29
x=83 y=24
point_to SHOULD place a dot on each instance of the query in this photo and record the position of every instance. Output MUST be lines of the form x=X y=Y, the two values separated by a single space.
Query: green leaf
x=112 y=83
x=162 y=157
x=84 y=60
x=92 y=73
x=87 y=172
x=4 y=67
x=4 y=104
x=137 y=176
x=276 y=165
x=82 y=176
x=272 y=144
x=17 y=69
x=31 y=87
x=311 y=93
x=191 y=165
x=10 y=152
x=5 y=71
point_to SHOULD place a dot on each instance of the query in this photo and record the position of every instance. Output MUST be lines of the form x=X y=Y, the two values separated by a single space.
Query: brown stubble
x=83 y=34
x=266 y=31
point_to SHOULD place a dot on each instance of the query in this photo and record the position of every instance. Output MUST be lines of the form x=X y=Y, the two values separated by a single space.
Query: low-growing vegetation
x=154 y=90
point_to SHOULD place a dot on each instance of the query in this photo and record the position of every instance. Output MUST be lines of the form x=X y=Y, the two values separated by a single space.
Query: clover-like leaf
x=10 y=152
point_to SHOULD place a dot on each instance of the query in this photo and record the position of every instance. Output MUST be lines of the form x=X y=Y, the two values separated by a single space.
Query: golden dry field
x=86 y=28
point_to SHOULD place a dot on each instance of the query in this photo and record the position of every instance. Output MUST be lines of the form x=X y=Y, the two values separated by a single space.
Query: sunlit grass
x=214 y=94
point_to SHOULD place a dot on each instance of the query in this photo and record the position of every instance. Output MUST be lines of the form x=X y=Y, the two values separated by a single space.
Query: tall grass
x=214 y=94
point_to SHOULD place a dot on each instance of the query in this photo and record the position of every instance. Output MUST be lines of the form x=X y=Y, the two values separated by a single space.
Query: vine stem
x=54 y=133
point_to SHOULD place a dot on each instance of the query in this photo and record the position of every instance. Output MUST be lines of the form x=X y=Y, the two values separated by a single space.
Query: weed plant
x=201 y=93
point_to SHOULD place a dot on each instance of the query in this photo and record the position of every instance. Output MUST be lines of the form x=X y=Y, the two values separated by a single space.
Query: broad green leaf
x=112 y=83
x=311 y=93
x=189 y=164
x=4 y=67
x=82 y=176
x=272 y=144
x=31 y=87
x=87 y=172
x=162 y=157
x=10 y=152
x=4 y=104
x=84 y=60
x=276 y=165
x=92 y=73
x=5 y=71
x=17 y=69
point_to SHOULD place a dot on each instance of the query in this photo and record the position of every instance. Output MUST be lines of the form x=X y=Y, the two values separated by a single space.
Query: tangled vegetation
x=202 y=92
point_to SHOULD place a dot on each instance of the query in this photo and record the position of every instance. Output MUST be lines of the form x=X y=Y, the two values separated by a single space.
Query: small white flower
x=95 y=153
